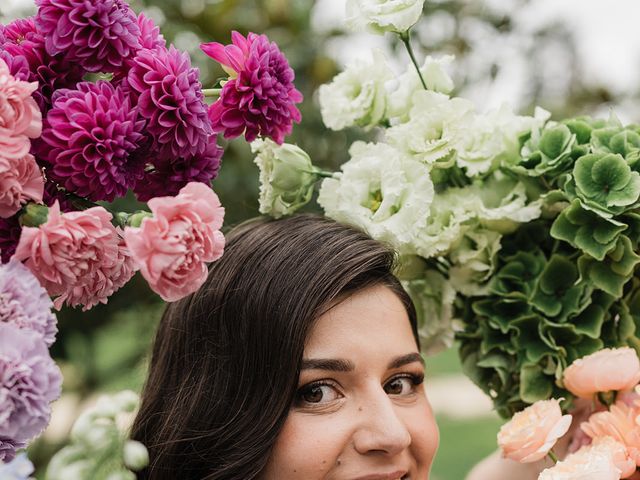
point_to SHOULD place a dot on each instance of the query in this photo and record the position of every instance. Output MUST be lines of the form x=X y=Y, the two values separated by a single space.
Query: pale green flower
x=436 y=128
x=356 y=96
x=99 y=447
x=382 y=192
x=434 y=75
x=433 y=297
x=473 y=261
x=449 y=213
x=287 y=177
x=503 y=204
x=379 y=16
x=494 y=138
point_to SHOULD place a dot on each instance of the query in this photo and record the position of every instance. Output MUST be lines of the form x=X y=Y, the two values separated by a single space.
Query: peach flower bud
x=531 y=433
x=603 y=371
x=586 y=464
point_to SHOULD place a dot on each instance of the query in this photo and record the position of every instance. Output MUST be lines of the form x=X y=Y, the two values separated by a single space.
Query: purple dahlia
x=51 y=72
x=260 y=98
x=98 y=34
x=9 y=237
x=169 y=174
x=25 y=303
x=29 y=382
x=91 y=133
x=169 y=96
x=150 y=36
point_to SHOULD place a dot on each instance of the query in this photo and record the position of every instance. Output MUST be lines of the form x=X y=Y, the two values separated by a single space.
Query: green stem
x=405 y=37
x=211 y=92
x=553 y=456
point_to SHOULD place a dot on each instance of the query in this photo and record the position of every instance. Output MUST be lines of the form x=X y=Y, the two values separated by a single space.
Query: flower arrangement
x=94 y=105
x=518 y=236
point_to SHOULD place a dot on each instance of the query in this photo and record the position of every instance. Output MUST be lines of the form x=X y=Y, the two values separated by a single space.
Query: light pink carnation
x=78 y=257
x=20 y=181
x=20 y=117
x=174 y=246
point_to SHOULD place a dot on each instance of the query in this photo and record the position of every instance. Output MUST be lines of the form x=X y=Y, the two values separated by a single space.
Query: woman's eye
x=401 y=385
x=316 y=394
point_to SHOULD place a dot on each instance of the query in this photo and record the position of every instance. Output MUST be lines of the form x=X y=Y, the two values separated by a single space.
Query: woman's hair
x=226 y=359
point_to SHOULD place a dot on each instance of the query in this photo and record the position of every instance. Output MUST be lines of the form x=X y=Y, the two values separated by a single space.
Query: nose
x=381 y=429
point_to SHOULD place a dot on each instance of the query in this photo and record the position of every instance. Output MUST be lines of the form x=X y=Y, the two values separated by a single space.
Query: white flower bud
x=135 y=455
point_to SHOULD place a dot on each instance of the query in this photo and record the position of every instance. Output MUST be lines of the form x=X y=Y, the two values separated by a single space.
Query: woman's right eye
x=317 y=394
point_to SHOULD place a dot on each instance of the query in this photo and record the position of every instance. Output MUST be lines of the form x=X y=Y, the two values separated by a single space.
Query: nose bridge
x=380 y=427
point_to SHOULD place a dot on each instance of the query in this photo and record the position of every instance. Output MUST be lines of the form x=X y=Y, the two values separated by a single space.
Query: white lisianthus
x=434 y=75
x=494 y=138
x=436 y=128
x=379 y=16
x=287 y=177
x=433 y=297
x=381 y=191
x=447 y=221
x=502 y=203
x=473 y=261
x=585 y=464
x=356 y=96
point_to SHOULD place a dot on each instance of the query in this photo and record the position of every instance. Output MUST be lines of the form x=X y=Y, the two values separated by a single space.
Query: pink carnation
x=20 y=181
x=20 y=117
x=173 y=247
x=78 y=257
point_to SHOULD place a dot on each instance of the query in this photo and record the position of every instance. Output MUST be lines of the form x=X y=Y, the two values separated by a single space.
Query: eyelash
x=416 y=379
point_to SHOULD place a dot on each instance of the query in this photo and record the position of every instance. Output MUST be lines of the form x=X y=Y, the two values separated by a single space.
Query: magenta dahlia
x=91 y=133
x=260 y=97
x=169 y=96
x=98 y=34
x=169 y=174
x=150 y=36
x=52 y=73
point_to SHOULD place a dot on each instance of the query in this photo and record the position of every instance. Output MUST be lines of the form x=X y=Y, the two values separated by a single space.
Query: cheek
x=308 y=447
x=425 y=436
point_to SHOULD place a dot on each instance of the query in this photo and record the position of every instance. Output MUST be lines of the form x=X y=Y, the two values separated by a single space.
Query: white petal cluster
x=379 y=16
x=356 y=96
x=381 y=191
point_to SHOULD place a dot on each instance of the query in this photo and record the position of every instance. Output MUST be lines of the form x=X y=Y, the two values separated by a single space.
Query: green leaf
x=534 y=384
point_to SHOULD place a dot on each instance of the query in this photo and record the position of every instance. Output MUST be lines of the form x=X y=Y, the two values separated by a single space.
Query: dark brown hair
x=226 y=359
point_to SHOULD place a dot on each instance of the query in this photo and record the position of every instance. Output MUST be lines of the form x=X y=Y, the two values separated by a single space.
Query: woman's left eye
x=402 y=385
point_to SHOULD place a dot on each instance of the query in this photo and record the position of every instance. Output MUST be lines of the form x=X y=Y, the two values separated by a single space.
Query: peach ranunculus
x=173 y=247
x=617 y=452
x=620 y=423
x=586 y=464
x=20 y=181
x=608 y=369
x=20 y=117
x=531 y=433
x=78 y=257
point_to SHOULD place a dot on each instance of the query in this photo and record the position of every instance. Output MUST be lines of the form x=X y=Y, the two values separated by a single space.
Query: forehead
x=363 y=323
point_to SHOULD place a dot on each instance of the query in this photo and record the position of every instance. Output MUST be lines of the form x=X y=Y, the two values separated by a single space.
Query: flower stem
x=553 y=456
x=405 y=37
x=211 y=92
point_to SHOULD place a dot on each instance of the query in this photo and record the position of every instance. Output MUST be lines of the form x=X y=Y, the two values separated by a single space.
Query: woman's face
x=361 y=412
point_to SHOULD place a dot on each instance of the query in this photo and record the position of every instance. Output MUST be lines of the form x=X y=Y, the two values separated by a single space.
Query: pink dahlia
x=169 y=96
x=150 y=36
x=77 y=256
x=20 y=181
x=29 y=382
x=173 y=247
x=89 y=136
x=169 y=174
x=260 y=97
x=20 y=117
x=99 y=34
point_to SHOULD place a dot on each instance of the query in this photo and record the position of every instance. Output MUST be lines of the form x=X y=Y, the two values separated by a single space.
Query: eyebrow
x=341 y=365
